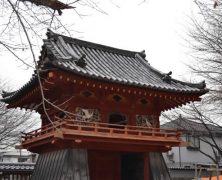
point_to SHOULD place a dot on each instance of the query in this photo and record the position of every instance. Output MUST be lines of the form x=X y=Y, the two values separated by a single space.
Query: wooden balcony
x=91 y=135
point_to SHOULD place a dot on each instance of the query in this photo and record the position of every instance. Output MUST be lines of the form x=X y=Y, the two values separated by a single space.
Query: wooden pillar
x=104 y=116
x=132 y=113
x=156 y=110
x=146 y=167
x=103 y=107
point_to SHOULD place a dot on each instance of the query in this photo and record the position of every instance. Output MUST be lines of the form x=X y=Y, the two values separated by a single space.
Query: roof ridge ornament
x=202 y=84
x=142 y=54
x=6 y=93
x=50 y=33
x=79 y=60
x=167 y=77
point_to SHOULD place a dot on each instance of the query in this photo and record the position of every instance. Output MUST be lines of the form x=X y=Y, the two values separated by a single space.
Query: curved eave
x=195 y=90
x=16 y=95
x=34 y=82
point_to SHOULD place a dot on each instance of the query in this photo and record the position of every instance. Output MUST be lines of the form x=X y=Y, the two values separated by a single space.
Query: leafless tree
x=23 y=19
x=13 y=122
x=205 y=37
x=209 y=131
x=205 y=41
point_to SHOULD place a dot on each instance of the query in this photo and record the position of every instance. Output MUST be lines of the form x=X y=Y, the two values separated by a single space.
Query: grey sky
x=156 y=26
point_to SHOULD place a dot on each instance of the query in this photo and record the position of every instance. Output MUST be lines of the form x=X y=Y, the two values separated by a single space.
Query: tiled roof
x=16 y=167
x=188 y=165
x=111 y=64
x=191 y=126
x=104 y=63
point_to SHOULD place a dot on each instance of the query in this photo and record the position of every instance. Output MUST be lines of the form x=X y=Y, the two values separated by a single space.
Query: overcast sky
x=156 y=26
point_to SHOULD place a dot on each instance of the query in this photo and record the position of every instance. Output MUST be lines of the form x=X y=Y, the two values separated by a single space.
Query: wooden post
x=146 y=166
x=217 y=172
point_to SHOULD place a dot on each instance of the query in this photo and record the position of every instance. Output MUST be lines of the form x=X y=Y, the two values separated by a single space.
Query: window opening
x=117 y=98
x=87 y=93
x=194 y=141
x=143 y=101
x=118 y=119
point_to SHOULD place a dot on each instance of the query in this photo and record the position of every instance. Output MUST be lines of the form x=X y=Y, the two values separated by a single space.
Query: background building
x=182 y=160
x=16 y=164
x=17 y=156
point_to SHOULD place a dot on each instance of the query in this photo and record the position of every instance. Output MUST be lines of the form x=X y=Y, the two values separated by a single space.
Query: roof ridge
x=52 y=35
x=185 y=123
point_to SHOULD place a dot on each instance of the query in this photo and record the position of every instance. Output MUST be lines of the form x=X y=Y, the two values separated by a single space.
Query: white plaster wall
x=191 y=156
x=10 y=159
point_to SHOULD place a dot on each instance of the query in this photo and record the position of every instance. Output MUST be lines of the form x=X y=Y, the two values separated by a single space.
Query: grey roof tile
x=16 y=167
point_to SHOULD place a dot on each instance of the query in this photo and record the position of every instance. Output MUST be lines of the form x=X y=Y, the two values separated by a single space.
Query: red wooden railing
x=103 y=130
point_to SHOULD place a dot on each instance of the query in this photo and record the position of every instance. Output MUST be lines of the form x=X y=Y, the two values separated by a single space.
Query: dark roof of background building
x=104 y=63
x=16 y=167
x=184 y=124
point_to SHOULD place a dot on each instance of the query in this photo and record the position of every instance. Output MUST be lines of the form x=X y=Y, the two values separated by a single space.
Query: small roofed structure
x=105 y=105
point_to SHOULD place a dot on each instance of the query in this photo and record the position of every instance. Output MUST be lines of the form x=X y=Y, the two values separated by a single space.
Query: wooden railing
x=103 y=130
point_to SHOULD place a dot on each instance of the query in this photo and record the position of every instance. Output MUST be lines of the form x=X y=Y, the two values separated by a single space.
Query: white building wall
x=10 y=159
x=183 y=155
x=13 y=156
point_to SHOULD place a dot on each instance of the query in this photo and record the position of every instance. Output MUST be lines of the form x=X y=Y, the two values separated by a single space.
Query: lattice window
x=146 y=120
x=193 y=140
x=90 y=115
